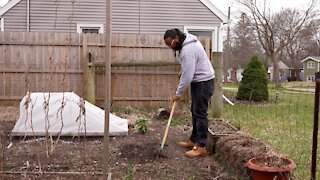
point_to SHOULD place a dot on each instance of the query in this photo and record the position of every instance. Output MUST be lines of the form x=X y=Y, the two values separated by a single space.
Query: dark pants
x=201 y=93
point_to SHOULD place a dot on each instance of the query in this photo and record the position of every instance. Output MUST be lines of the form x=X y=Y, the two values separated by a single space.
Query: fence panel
x=56 y=62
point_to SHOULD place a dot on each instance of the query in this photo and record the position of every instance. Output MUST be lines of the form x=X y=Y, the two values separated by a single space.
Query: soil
x=130 y=157
x=272 y=162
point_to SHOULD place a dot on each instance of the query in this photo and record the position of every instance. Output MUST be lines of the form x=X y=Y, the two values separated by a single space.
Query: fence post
x=217 y=101
x=1 y=155
x=84 y=63
x=88 y=72
x=315 y=128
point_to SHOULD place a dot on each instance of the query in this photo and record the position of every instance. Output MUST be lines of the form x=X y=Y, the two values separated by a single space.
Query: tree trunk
x=216 y=100
x=234 y=75
x=276 y=74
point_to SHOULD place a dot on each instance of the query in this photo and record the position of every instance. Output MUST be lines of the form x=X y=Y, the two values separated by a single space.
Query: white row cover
x=64 y=114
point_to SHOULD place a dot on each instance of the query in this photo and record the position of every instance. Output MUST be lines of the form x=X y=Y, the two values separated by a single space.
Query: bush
x=254 y=83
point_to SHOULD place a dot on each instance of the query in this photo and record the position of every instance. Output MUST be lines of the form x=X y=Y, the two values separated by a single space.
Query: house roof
x=215 y=10
x=8 y=6
x=292 y=65
x=207 y=3
x=314 y=58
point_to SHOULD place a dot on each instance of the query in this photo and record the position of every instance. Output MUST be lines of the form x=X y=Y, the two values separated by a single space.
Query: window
x=310 y=65
x=213 y=32
x=311 y=78
x=90 y=28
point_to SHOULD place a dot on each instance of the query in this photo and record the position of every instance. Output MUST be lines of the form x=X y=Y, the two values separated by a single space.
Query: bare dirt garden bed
x=130 y=157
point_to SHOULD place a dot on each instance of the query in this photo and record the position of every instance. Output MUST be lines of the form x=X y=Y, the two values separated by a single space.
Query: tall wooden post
x=217 y=100
x=85 y=63
x=107 y=91
x=315 y=129
x=1 y=155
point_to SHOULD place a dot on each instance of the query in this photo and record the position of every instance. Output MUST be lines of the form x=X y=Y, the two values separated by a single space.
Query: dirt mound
x=236 y=149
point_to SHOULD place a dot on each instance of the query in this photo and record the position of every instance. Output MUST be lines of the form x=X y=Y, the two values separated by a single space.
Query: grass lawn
x=285 y=123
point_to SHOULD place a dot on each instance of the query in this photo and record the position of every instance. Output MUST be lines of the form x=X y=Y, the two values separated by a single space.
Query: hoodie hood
x=189 y=39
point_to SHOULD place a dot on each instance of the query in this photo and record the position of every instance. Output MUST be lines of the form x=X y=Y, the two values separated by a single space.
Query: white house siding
x=128 y=16
x=155 y=16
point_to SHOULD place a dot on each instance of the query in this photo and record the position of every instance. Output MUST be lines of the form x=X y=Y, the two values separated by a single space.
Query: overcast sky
x=2 y=2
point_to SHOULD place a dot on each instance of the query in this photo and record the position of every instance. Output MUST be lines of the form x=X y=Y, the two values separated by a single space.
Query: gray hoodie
x=195 y=64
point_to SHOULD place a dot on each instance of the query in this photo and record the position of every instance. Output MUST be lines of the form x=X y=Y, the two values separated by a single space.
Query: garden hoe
x=159 y=153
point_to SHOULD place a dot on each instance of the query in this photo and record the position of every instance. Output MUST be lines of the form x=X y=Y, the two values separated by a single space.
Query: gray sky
x=3 y=2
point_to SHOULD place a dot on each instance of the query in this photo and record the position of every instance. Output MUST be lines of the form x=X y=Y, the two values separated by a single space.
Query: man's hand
x=175 y=98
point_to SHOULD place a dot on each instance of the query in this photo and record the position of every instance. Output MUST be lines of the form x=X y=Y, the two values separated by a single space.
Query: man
x=197 y=71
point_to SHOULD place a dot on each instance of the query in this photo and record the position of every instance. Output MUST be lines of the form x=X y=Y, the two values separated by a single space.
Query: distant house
x=283 y=71
x=311 y=65
x=235 y=75
x=199 y=17
x=287 y=71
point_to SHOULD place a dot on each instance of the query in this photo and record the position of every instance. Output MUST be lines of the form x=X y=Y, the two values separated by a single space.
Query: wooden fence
x=144 y=71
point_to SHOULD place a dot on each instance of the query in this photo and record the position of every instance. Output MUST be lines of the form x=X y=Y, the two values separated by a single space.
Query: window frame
x=216 y=37
x=310 y=78
x=88 y=26
x=311 y=65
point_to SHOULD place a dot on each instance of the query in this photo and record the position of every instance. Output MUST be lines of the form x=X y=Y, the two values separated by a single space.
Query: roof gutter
x=2 y=24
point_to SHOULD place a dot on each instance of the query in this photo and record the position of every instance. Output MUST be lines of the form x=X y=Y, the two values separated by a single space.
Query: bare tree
x=268 y=31
x=302 y=45
x=242 y=45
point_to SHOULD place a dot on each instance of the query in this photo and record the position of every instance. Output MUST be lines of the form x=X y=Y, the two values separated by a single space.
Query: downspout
x=28 y=15
x=2 y=24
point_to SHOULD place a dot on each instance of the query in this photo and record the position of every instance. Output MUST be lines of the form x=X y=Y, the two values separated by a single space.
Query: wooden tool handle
x=168 y=125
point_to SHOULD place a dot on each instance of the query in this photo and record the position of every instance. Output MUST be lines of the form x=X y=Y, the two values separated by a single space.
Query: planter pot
x=263 y=168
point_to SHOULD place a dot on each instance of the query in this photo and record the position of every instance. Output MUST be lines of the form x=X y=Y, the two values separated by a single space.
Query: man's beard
x=178 y=47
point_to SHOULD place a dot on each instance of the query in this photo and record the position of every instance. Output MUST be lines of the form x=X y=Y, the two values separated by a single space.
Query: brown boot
x=187 y=144
x=196 y=151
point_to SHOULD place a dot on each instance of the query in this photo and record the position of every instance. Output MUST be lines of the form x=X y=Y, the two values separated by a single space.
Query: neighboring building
x=311 y=65
x=283 y=71
x=235 y=75
x=199 y=17
x=287 y=71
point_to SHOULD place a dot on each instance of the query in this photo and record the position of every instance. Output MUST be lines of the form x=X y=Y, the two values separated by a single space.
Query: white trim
x=8 y=6
x=311 y=58
x=28 y=15
x=217 y=39
x=100 y=26
x=2 y=24
x=215 y=10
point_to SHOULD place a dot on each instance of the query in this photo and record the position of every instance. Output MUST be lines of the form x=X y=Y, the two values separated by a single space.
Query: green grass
x=286 y=124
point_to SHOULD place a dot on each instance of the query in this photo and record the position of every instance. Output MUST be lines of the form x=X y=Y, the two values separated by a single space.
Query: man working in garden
x=197 y=71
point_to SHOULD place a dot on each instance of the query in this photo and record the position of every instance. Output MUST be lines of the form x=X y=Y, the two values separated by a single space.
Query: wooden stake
x=107 y=90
